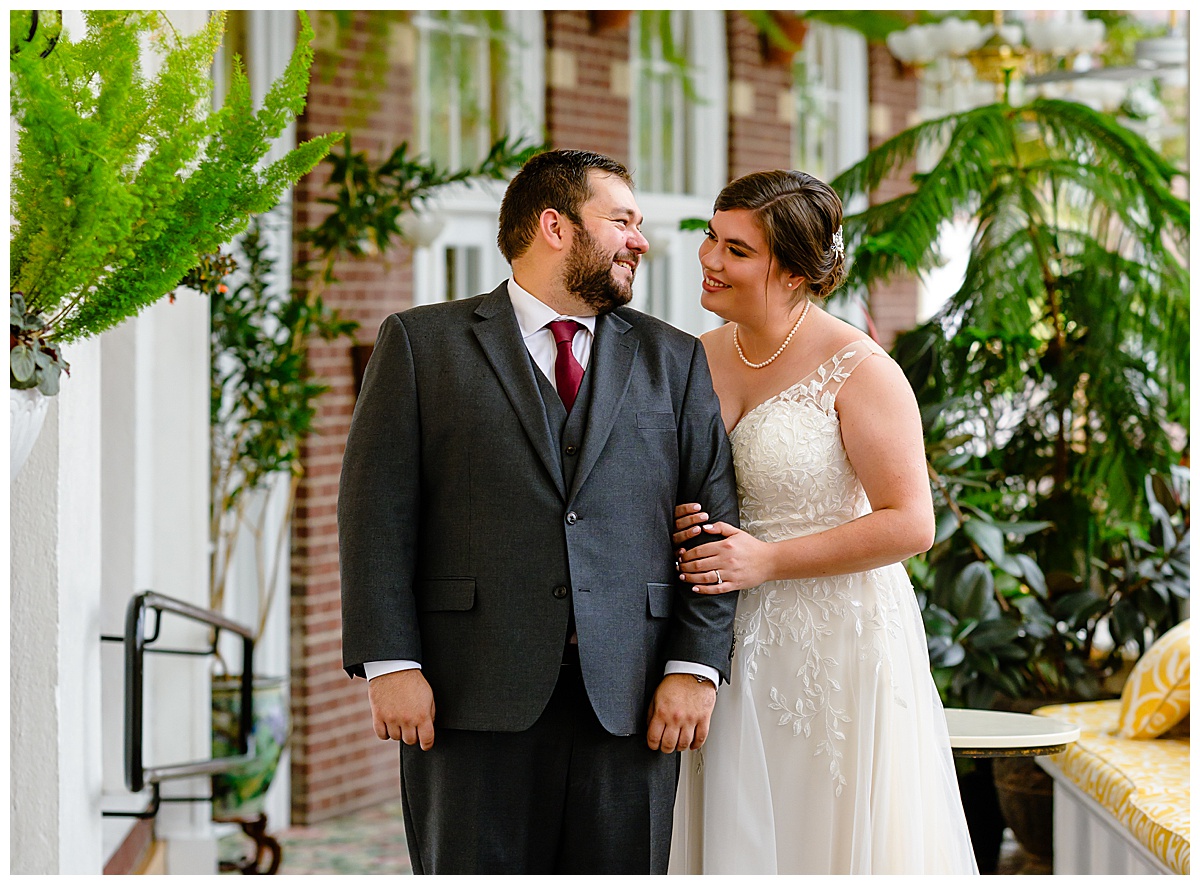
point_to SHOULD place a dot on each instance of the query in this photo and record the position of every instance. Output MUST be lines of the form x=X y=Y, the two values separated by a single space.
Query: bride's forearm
x=877 y=539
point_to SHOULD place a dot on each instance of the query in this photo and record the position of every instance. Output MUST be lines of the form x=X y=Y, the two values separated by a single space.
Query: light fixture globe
x=1001 y=56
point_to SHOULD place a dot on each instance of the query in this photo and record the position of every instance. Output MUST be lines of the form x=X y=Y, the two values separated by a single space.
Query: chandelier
x=1049 y=48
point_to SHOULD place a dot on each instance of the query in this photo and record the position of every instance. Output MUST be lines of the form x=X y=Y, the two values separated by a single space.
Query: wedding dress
x=828 y=750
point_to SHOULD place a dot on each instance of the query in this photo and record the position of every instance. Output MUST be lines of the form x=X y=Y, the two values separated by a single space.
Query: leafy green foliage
x=262 y=397
x=1052 y=383
x=32 y=362
x=370 y=199
x=262 y=400
x=122 y=182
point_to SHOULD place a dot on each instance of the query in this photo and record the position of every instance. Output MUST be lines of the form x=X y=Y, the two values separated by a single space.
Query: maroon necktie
x=567 y=371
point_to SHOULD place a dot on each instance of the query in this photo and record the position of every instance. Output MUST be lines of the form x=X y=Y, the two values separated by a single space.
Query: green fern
x=122 y=182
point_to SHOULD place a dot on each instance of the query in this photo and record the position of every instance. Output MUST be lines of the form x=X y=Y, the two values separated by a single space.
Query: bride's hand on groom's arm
x=688 y=519
x=734 y=560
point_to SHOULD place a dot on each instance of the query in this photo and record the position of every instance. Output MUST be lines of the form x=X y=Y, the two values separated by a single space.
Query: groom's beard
x=588 y=274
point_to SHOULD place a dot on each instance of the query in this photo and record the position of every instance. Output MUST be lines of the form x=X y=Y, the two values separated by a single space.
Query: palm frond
x=886 y=159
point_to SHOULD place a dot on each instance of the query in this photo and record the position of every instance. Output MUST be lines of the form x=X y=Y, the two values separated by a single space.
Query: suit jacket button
x=572 y=518
x=560 y=592
x=571 y=450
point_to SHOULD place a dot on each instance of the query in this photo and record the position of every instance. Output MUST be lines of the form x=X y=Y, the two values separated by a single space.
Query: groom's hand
x=402 y=707
x=679 y=713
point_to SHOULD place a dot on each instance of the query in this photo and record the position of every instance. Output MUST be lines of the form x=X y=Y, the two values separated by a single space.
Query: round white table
x=982 y=733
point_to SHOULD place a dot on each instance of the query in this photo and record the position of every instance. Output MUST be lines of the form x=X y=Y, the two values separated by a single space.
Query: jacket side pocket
x=658 y=599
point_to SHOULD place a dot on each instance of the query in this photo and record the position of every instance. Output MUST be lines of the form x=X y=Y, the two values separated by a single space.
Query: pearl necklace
x=782 y=347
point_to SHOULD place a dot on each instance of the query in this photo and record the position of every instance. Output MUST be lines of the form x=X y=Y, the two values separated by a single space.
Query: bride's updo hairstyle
x=801 y=218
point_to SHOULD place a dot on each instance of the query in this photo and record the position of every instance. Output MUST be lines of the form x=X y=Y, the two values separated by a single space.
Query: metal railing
x=137 y=645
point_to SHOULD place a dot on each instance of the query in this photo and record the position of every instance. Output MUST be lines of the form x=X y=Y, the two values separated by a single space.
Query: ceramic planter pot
x=240 y=794
x=795 y=29
x=26 y=414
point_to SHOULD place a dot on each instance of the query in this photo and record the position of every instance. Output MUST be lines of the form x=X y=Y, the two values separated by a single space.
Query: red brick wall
x=338 y=764
x=893 y=99
x=589 y=114
x=758 y=140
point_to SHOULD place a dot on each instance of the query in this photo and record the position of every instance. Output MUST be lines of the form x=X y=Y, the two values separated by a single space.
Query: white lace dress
x=828 y=751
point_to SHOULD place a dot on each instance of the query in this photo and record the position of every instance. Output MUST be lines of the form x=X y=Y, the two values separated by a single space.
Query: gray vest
x=567 y=431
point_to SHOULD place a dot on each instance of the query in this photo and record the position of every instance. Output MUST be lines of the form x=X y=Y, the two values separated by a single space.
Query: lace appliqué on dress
x=802 y=483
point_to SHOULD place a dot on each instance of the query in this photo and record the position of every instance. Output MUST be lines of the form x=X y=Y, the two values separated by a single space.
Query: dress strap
x=832 y=373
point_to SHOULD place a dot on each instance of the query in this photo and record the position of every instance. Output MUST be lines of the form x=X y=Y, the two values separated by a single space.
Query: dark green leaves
x=369 y=199
x=32 y=361
x=1053 y=384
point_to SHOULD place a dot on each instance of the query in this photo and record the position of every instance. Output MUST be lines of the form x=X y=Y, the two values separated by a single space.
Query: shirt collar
x=533 y=314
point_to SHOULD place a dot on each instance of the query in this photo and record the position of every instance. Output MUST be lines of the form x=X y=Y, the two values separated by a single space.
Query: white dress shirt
x=533 y=318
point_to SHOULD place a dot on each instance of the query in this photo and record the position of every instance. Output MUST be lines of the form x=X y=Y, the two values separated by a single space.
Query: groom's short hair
x=551 y=180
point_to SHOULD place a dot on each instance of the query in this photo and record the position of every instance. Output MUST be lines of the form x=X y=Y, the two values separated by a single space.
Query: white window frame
x=835 y=76
x=838 y=56
x=467 y=214
x=669 y=279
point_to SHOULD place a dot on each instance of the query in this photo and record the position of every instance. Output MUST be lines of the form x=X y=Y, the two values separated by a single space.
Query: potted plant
x=1060 y=366
x=121 y=180
x=262 y=402
x=1054 y=387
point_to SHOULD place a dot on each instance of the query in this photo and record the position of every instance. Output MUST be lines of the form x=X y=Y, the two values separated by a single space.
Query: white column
x=154 y=482
x=172 y=554
x=54 y=750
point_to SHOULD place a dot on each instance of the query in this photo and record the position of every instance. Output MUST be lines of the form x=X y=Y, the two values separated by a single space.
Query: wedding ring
x=718 y=576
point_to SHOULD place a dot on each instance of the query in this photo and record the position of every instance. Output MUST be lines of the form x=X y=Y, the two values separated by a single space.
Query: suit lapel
x=500 y=337
x=613 y=353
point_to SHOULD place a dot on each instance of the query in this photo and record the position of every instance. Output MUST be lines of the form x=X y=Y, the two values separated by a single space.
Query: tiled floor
x=372 y=842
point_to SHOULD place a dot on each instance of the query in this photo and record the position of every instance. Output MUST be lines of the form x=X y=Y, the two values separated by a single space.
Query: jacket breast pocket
x=658 y=600
x=656 y=420
x=445 y=594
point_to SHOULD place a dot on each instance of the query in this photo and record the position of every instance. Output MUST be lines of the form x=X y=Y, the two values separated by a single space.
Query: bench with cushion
x=1122 y=792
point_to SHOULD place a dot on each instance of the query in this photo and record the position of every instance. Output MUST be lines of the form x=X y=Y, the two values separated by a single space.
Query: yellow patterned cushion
x=1145 y=785
x=1157 y=694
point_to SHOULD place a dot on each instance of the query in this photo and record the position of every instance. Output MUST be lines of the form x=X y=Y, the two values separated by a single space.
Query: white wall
x=54 y=656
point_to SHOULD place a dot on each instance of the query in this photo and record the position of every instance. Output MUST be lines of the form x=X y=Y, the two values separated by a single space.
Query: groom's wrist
x=702 y=672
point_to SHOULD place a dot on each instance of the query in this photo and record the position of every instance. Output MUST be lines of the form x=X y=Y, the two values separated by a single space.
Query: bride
x=828 y=750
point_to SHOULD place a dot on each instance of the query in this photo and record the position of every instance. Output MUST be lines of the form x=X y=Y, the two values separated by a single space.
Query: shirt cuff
x=379 y=668
x=709 y=673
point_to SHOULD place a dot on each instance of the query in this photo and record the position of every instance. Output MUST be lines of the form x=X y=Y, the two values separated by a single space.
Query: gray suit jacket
x=460 y=540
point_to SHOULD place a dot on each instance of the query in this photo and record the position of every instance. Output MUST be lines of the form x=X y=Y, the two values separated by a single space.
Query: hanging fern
x=121 y=182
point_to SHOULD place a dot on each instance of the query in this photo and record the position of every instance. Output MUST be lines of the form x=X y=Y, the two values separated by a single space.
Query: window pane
x=817 y=100
x=463 y=62
x=662 y=104
x=464 y=272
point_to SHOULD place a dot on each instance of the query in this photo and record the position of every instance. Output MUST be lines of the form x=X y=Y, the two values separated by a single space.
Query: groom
x=505 y=520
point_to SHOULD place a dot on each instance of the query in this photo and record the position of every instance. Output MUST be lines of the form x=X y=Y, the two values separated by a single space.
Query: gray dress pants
x=565 y=796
